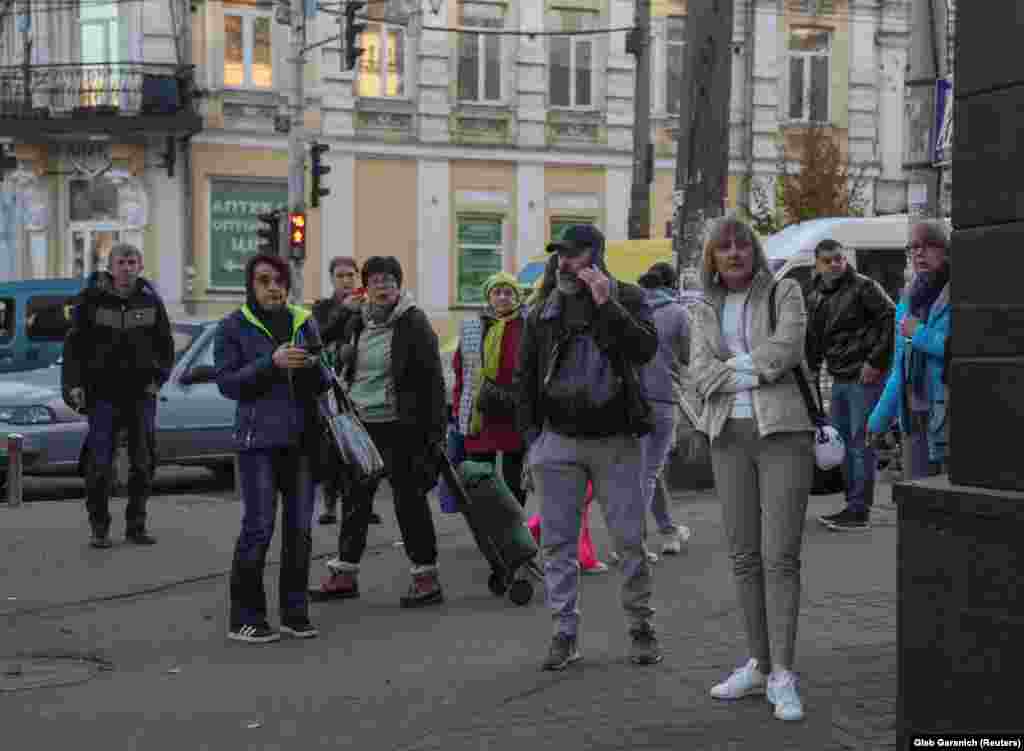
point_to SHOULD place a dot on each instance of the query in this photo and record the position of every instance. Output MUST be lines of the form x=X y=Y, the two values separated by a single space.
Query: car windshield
x=6 y=319
x=184 y=334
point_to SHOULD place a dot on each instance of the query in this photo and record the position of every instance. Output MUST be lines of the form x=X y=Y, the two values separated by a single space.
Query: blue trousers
x=137 y=417
x=852 y=403
x=263 y=474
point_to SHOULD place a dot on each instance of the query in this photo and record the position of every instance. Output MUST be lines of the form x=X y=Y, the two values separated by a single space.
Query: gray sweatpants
x=764 y=484
x=561 y=466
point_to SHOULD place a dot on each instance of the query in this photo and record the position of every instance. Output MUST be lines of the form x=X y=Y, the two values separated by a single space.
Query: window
x=809 y=54
x=382 y=64
x=675 y=47
x=571 y=66
x=48 y=318
x=480 y=256
x=6 y=319
x=480 y=54
x=248 y=53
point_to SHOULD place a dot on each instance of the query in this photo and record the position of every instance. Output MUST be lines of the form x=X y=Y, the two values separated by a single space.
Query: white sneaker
x=675 y=540
x=652 y=557
x=614 y=558
x=746 y=681
x=782 y=693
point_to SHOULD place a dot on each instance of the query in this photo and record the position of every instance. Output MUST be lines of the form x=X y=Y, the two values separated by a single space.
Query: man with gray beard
x=583 y=413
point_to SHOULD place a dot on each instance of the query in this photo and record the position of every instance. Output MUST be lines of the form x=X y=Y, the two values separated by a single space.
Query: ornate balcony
x=45 y=101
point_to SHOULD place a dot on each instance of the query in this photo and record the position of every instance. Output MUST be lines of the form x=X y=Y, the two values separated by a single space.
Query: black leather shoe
x=100 y=539
x=139 y=537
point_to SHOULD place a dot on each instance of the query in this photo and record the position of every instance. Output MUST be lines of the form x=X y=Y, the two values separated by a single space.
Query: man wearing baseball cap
x=583 y=414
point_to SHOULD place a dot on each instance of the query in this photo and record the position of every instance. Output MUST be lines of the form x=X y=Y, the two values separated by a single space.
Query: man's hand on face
x=870 y=375
x=292 y=358
x=77 y=396
x=600 y=286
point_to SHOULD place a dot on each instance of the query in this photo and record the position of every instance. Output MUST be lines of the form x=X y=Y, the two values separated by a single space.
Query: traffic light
x=269 y=233
x=316 y=151
x=297 y=234
x=352 y=31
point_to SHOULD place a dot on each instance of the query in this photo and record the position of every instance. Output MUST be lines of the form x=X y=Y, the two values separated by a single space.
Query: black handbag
x=347 y=435
x=495 y=400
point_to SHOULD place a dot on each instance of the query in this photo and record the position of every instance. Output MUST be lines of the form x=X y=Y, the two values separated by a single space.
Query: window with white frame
x=480 y=54
x=248 y=51
x=675 y=48
x=810 y=52
x=382 y=66
x=571 y=62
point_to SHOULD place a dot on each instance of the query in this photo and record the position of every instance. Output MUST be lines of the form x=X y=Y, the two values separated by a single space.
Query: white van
x=875 y=246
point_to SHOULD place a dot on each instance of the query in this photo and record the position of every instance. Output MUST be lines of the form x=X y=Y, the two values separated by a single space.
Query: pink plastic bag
x=585 y=552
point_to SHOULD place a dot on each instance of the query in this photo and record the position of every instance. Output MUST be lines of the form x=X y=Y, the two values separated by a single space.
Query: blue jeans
x=852 y=403
x=137 y=417
x=657 y=445
x=262 y=475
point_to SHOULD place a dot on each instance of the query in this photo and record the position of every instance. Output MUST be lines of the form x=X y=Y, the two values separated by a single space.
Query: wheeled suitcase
x=498 y=525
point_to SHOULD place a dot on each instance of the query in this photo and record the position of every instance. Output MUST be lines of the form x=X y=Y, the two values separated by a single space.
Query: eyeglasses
x=387 y=282
x=921 y=248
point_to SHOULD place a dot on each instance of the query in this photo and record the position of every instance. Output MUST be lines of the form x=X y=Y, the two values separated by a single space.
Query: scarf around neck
x=491 y=361
x=924 y=291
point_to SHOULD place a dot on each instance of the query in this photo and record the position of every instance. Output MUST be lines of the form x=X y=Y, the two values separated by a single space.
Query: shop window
x=571 y=62
x=48 y=318
x=382 y=65
x=6 y=319
x=810 y=55
x=675 y=47
x=480 y=54
x=479 y=255
x=248 y=49
x=94 y=200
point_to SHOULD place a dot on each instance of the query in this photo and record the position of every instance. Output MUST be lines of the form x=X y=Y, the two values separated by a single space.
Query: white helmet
x=829 y=449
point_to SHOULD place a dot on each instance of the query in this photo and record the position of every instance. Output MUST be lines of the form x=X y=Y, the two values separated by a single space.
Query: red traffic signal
x=297 y=234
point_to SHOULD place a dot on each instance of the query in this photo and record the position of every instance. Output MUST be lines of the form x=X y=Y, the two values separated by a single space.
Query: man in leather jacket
x=850 y=329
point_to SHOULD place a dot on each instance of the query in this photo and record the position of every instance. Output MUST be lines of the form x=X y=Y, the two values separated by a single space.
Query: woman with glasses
x=391 y=365
x=915 y=392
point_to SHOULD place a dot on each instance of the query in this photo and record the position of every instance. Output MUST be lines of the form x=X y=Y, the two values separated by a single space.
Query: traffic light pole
x=640 y=194
x=296 y=141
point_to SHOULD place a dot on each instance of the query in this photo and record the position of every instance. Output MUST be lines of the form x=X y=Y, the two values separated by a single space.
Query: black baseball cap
x=579 y=238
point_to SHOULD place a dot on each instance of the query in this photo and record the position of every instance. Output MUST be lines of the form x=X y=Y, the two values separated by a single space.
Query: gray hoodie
x=662 y=377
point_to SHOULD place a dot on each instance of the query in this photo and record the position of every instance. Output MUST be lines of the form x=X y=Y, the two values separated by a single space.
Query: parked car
x=33 y=316
x=194 y=421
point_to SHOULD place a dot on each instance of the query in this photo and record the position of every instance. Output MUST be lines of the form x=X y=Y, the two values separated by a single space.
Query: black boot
x=100 y=537
x=137 y=534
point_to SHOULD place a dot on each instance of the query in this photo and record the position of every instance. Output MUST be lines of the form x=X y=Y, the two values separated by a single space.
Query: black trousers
x=412 y=510
x=511 y=470
x=137 y=417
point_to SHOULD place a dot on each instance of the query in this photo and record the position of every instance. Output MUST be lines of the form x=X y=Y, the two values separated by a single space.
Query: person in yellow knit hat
x=485 y=364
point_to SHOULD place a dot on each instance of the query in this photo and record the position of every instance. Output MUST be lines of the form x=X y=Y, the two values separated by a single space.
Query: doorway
x=90 y=247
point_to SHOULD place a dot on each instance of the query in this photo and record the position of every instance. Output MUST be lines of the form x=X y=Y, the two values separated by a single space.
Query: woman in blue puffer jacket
x=915 y=391
x=264 y=362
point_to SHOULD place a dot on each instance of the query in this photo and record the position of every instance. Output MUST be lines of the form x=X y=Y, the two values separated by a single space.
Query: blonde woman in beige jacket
x=761 y=448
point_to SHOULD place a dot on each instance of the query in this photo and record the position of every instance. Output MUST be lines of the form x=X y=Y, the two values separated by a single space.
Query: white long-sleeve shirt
x=735 y=331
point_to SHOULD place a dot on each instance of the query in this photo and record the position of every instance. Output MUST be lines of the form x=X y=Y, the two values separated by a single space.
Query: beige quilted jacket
x=778 y=405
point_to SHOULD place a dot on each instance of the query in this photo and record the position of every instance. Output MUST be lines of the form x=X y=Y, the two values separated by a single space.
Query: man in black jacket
x=117 y=355
x=851 y=325
x=582 y=412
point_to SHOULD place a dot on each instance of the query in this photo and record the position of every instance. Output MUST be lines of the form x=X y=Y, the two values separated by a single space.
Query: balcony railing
x=87 y=90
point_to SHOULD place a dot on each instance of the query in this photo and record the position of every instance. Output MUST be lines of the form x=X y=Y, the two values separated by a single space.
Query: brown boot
x=424 y=590
x=339 y=584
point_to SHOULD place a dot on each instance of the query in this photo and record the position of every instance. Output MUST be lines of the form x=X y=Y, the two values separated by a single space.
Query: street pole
x=925 y=65
x=639 y=44
x=702 y=146
x=296 y=138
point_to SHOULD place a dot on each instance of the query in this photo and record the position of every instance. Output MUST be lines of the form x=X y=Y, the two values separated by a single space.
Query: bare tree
x=825 y=184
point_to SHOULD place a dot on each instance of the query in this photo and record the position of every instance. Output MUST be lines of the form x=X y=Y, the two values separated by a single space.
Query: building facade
x=96 y=104
x=462 y=152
